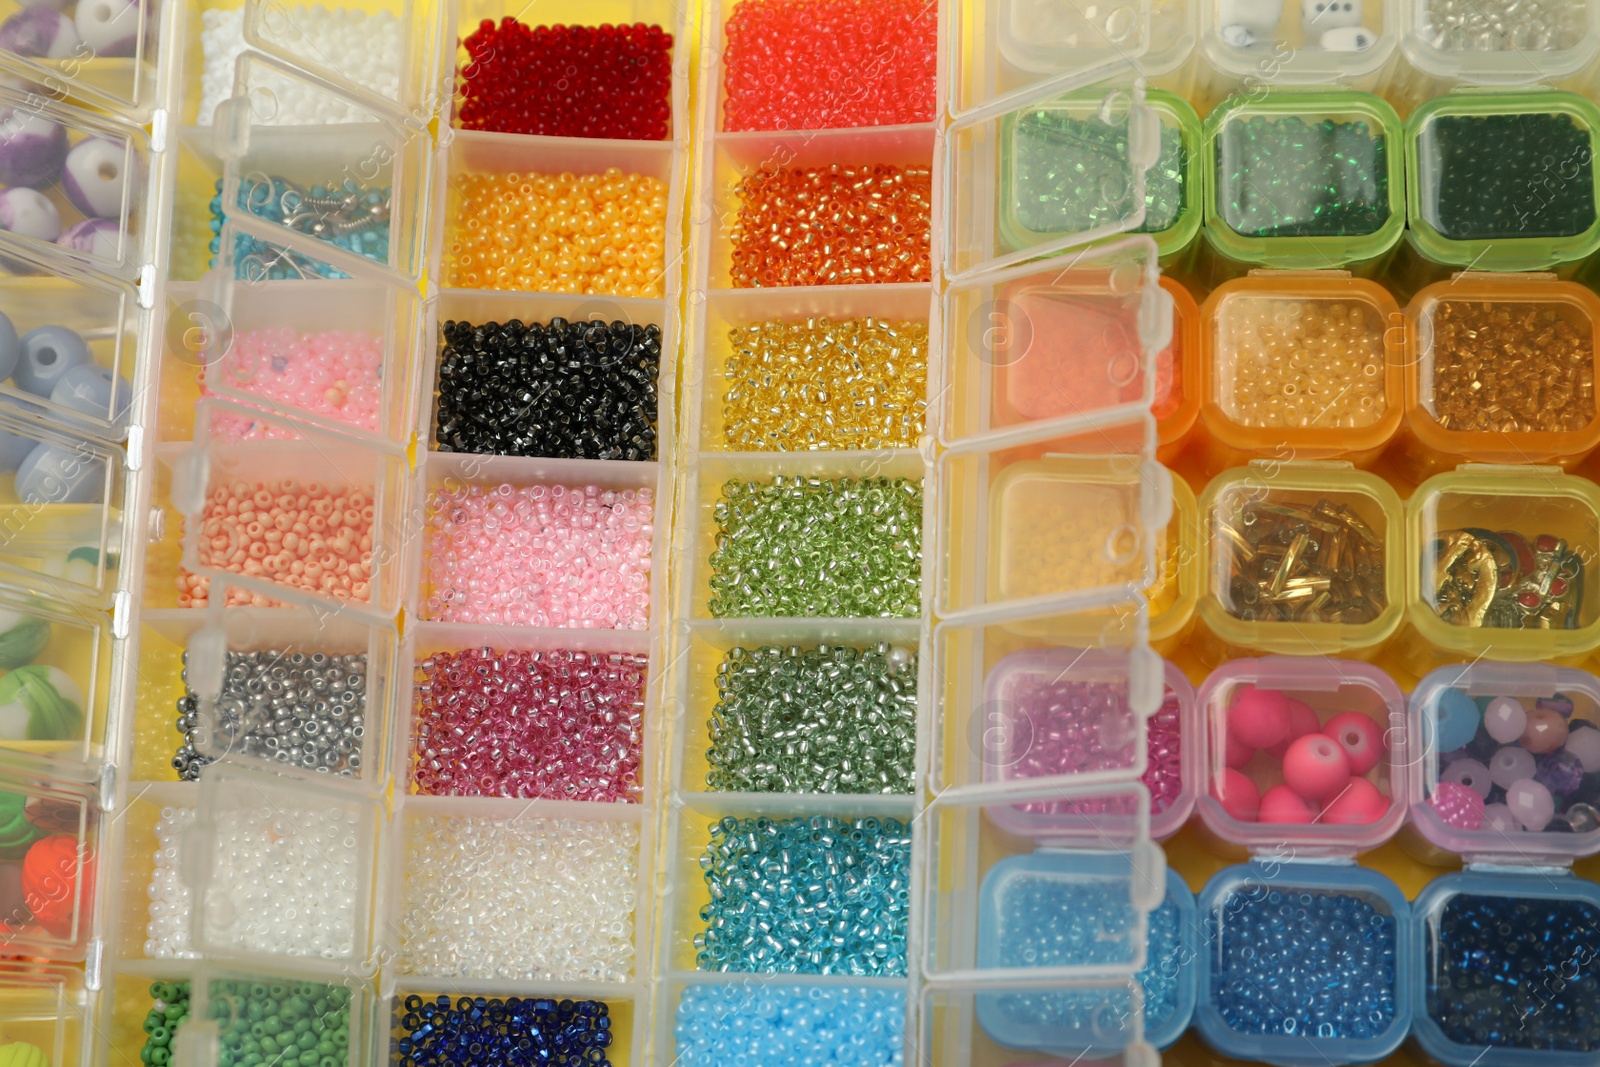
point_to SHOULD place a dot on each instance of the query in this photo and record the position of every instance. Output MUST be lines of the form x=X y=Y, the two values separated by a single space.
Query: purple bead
x=1561 y=704
x=39 y=33
x=32 y=148
x=95 y=176
x=1560 y=772
x=101 y=238
x=29 y=213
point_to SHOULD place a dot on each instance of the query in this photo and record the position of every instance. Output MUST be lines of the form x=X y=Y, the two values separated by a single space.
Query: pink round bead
x=1358 y=804
x=1316 y=767
x=1303 y=720
x=1361 y=738
x=1235 y=752
x=1545 y=731
x=1258 y=717
x=1280 y=804
x=1238 y=795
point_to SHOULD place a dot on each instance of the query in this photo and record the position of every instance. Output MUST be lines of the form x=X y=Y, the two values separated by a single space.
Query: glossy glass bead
x=1072 y=175
x=1513 y=176
x=718 y=1025
x=494 y=1032
x=1301 y=177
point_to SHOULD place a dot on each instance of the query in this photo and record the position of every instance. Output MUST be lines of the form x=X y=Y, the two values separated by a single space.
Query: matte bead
x=39 y=33
x=93 y=176
x=1360 y=803
x=1511 y=765
x=1361 y=738
x=47 y=353
x=28 y=213
x=32 y=148
x=1316 y=767
x=1236 y=753
x=1470 y=773
x=1303 y=719
x=1456 y=719
x=110 y=27
x=1280 y=804
x=1585 y=744
x=1531 y=804
x=1258 y=717
x=55 y=474
x=1498 y=818
x=1238 y=795
x=95 y=391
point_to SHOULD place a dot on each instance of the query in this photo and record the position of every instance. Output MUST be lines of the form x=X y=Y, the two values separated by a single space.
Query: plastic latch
x=1147 y=682
x=230 y=128
x=1144 y=136
x=1485 y=867
x=158 y=129
x=121 y=614
x=1509 y=276
x=1141 y=1054
x=145 y=286
x=1273 y=466
x=1279 y=272
x=206 y=662
x=135 y=450
x=1156 y=315
x=189 y=473
x=94 y=965
x=1149 y=875
x=197 y=1044
x=1155 y=497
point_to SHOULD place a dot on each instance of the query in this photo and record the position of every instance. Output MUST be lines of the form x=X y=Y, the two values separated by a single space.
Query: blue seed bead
x=822 y=895
x=1047 y=922
x=1317 y=964
x=747 y=1025
x=495 y=1032
x=1517 y=973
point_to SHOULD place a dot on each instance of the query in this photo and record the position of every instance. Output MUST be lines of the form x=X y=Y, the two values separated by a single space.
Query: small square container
x=50 y=1009
x=128 y=994
x=342 y=357
x=252 y=829
x=76 y=359
x=627 y=1011
x=1464 y=404
x=1301 y=559
x=227 y=1002
x=61 y=507
x=1341 y=148
x=1336 y=916
x=1503 y=181
x=1300 y=366
x=1070 y=169
x=1335 y=781
x=55 y=692
x=80 y=188
x=1279 y=42
x=1483 y=47
x=1033 y=1024
x=1045 y=139
x=560 y=892
x=1028 y=524
x=53 y=856
x=1467 y=778
x=1520 y=947
x=149 y=906
x=326 y=174
x=700 y=1018
x=111 y=55
x=196 y=177
x=977 y=870
x=1065 y=348
x=1176 y=404
x=277 y=462
x=1001 y=52
x=235 y=655
x=1176 y=590
x=1501 y=565
x=1106 y=1020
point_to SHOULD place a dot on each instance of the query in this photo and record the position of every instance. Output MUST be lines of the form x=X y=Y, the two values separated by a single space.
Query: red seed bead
x=829 y=64
x=567 y=81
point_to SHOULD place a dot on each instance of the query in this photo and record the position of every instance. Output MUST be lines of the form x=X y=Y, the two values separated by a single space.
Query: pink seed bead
x=336 y=375
x=576 y=557
x=554 y=725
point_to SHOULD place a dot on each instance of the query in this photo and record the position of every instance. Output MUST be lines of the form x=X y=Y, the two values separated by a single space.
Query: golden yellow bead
x=1300 y=363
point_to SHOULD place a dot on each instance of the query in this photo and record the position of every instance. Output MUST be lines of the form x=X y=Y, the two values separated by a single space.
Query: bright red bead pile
x=554 y=725
x=830 y=64
x=567 y=81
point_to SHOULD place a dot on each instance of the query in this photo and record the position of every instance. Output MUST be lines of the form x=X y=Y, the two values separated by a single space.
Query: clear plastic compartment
x=342 y=357
x=1527 y=204
x=124 y=1002
x=228 y=1002
x=1464 y=405
x=1301 y=366
x=1494 y=46
x=1298 y=44
x=1234 y=906
x=1054 y=173
x=1060 y=348
x=1501 y=567
x=627 y=1008
x=80 y=187
x=112 y=54
x=1464 y=738
x=1067 y=516
x=1334 y=218
x=251 y=830
x=1303 y=756
x=149 y=906
x=727 y=314
x=47 y=1011
x=1463 y=971
x=52 y=864
x=540 y=893
x=60 y=661
x=982 y=878
x=1301 y=559
x=323 y=173
x=268 y=473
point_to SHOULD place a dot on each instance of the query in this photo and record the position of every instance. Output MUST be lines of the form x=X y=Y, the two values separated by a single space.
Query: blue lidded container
x=1507 y=970
x=1272 y=935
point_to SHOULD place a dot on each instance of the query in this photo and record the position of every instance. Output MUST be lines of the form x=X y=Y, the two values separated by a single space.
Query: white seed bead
x=167 y=932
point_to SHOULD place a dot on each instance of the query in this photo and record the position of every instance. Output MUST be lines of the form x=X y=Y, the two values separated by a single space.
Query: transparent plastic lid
x=1507 y=762
x=325 y=174
x=107 y=53
x=1309 y=42
x=75 y=183
x=994 y=895
x=343 y=357
x=227 y=1001
x=47 y=1011
x=1062 y=347
x=1305 y=754
x=50 y=859
x=55 y=687
x=253 y=831
x=1071 y=169
x=350 y=498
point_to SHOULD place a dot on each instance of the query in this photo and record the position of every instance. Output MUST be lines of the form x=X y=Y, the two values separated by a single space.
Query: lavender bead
x=39 y=33
x=1561 y=704
x=32 y=148
x=1510 y=765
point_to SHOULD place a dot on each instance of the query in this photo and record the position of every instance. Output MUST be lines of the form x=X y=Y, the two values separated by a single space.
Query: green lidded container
x=1501 y=180
x=1057 y=157
x=1305 y=179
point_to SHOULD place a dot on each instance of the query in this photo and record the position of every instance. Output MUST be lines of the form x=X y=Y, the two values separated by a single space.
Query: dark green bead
x=1490 y=177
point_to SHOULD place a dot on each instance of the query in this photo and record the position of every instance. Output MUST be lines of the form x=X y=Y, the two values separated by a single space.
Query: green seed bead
x=1071 y=175
x=160 y=1057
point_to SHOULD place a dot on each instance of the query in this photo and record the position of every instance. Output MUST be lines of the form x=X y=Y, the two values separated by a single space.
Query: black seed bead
x=564 y=390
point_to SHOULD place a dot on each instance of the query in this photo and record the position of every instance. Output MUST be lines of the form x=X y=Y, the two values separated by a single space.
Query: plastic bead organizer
x=992 y=533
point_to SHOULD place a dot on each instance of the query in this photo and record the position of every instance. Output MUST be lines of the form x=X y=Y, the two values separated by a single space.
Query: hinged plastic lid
x=108 y=53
